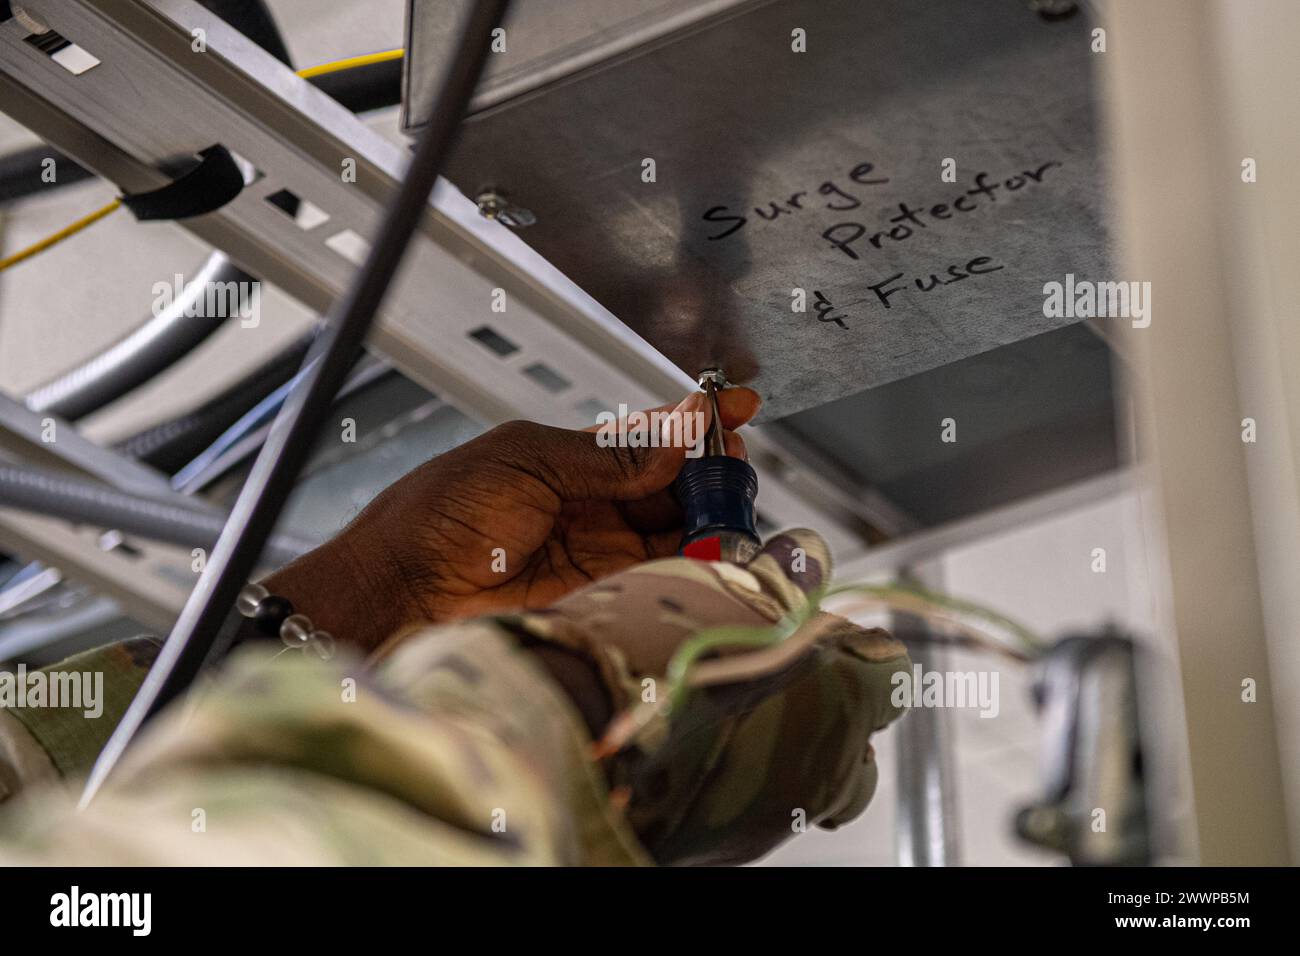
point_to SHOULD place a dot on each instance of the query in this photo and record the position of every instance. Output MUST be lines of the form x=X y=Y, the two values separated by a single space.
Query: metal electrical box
x=821 y=196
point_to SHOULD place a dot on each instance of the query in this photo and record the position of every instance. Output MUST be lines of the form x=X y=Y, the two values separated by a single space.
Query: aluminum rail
x=153 y=98
x=210 y=607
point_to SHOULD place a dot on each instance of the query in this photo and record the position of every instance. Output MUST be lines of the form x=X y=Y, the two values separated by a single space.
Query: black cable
x=210 y=607
x=172 y=444
x=160 y=341
x=163 y=339
x=360 y=89
x=253 y=20
x=21 y=172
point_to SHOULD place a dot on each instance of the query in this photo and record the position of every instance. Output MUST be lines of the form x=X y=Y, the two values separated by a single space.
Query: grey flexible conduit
x=165 y=339
x=143 y=353
x=54 y=494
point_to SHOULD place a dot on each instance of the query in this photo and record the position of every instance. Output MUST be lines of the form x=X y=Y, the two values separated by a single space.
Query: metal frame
x=619 y=29
x=928 y=832
x=149 y=581
x=21 y=434
x=894 y=557
x=153 y=98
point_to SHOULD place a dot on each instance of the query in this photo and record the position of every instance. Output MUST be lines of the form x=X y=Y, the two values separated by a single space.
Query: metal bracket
x=172 y=78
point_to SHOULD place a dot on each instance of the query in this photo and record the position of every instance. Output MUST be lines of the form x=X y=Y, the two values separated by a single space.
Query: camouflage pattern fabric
x=71 y=740
x=744 y=764
x=45 y=743
x=455 y=746
x=459 y=750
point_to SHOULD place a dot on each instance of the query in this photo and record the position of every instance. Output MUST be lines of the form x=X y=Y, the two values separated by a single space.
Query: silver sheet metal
x=543 y=41
x=775 y=169
x=153 y=99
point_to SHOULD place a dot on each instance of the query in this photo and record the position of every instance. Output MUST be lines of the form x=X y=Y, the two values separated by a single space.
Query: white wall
x=1041 y=576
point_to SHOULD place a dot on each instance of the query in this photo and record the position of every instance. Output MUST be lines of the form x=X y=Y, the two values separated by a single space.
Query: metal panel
x=777 y=170
x=1028 y=417
x=930 y=544
x=153 y=98
x=545 y=40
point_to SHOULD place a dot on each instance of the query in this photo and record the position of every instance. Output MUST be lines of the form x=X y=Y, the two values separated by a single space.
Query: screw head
x=714 y=375
x=490 y=204
x=494 y=205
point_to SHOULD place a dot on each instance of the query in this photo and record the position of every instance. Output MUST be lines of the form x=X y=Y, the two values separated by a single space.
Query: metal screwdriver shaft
x=714 y=444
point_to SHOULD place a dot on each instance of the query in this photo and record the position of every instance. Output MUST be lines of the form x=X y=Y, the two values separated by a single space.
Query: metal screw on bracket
x=494 y=205
x=714 y=375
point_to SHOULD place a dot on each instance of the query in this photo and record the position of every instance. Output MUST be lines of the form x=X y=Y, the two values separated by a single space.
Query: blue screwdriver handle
x=717 y=494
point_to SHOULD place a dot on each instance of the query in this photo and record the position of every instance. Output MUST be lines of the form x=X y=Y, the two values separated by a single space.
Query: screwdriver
x=717 y=493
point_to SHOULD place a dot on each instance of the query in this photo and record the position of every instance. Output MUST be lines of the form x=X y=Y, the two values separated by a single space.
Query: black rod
x=211 y=605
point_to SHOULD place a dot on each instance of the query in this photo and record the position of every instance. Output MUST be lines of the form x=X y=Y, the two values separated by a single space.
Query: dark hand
x=516 y=518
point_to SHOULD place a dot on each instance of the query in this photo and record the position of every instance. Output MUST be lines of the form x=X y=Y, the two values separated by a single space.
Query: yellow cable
x=351 y=62
x=76 y=227
x=55 y=238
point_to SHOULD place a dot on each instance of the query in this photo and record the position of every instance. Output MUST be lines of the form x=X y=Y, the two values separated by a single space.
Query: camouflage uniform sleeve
x=456 y=749
x=41 y=743
x=776 y=737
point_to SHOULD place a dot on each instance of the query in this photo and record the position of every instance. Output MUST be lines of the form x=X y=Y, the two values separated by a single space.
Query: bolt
x=714 y=375
x=494 y=205
x=490 y=204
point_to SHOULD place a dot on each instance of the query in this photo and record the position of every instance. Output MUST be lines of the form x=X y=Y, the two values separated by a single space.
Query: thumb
x=626 y=459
